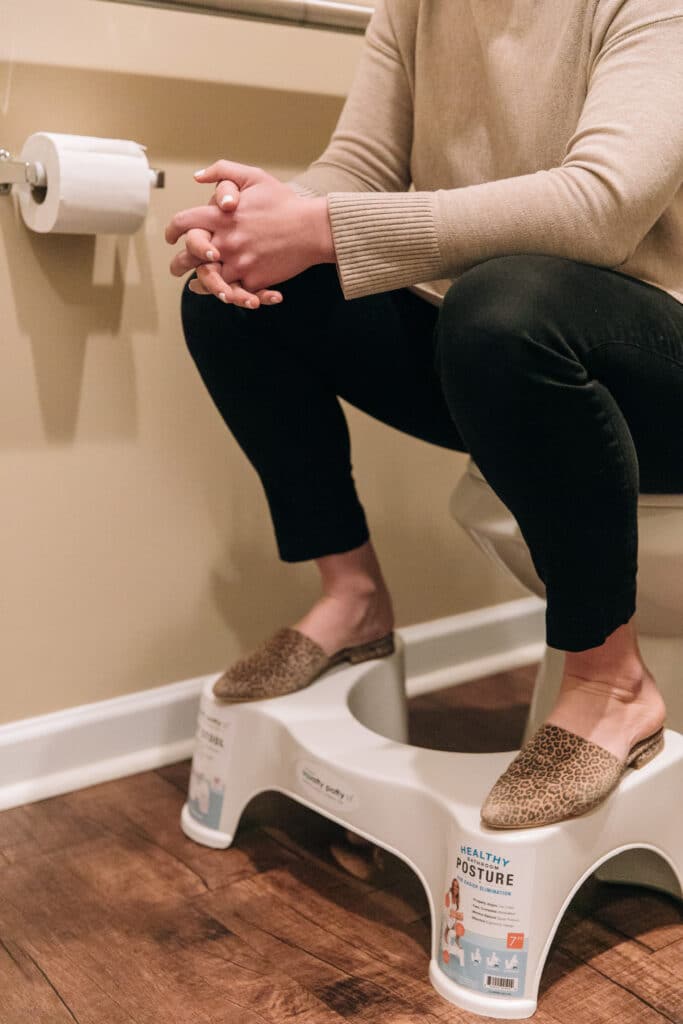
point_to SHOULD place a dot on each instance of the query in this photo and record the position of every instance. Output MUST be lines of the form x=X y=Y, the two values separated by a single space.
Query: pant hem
x=309 y=548
x=592 y=631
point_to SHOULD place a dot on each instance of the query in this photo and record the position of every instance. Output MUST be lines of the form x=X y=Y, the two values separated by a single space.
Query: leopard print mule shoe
x=289 y=661
x=558 y=775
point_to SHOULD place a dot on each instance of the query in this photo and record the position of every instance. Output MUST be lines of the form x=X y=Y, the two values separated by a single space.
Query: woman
x=524 y=303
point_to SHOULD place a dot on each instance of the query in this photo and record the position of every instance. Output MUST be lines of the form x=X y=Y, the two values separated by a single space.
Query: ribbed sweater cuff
x=383 y=240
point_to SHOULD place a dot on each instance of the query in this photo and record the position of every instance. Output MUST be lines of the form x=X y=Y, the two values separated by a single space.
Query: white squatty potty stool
x=495 y=897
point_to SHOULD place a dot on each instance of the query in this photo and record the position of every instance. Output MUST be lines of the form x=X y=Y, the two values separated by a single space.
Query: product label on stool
x=486 y=916
x=210 y=768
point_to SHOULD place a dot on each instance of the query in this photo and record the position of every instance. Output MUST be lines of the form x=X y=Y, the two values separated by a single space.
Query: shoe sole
x=643 y=752
x=364 y=652
x=379 y=648
x=639 y=755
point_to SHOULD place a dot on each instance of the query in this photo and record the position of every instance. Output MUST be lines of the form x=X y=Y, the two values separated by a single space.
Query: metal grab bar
x=329 y=14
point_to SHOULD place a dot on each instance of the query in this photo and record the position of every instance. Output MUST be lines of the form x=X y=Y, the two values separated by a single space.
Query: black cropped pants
x=563 y=380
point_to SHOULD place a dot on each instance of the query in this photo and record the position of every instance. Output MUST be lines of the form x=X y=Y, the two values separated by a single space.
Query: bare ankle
x=353 y=588
x=364 y=605
x=617 y=661
x=621 y=689
x=353 y=575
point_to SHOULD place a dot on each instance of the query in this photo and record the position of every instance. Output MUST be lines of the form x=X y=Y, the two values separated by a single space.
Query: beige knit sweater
x=480 y=128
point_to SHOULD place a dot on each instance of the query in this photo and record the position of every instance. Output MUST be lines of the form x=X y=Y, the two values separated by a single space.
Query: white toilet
x=659 y=614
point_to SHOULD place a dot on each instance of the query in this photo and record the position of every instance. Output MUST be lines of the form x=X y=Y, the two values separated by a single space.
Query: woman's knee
x=505 y=301
x=508 y=291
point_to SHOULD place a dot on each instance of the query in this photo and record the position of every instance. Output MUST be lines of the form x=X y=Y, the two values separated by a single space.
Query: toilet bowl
x=659 y=603
x=658 y=618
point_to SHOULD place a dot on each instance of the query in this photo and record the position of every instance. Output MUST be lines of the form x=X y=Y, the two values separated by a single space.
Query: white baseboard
x=66 y=750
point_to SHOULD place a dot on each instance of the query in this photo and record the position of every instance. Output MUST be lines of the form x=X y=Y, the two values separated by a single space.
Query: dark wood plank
x=177 y=774
x=403 y=901
x=117 y=937
x=40 y=827
x=26 y=993
x=147 y=807
x=365 y=970
x=655 y=919
x=624 y=961
x=575 y=993
x=671 y=956
x=316 y=851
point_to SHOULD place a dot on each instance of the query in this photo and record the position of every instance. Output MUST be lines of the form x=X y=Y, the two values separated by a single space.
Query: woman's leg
x=565 y=381
x=274 y=374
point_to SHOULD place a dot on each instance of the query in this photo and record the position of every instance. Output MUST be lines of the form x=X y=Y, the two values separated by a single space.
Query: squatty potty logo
x=330 y=788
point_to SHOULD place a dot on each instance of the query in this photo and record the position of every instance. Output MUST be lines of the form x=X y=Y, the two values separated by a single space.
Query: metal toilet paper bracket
x=21 y=172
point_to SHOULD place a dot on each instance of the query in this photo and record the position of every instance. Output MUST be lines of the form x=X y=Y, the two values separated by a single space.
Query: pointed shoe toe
x=286 y=662
x=559 y=775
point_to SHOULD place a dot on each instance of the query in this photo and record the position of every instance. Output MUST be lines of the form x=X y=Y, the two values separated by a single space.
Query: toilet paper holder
x=21 y=172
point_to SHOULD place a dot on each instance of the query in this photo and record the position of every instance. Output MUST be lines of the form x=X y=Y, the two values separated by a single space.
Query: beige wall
x=136 y=547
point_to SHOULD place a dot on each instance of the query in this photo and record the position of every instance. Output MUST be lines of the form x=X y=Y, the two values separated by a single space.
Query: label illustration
x=486 y=917
x=209 y=768
x=328 y=788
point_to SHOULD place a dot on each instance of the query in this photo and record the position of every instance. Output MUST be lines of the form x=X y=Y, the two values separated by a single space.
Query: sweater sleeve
x=369 y=150
x=622 y=168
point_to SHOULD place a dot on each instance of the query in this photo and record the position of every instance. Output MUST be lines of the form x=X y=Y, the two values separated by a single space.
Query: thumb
x=242 y=174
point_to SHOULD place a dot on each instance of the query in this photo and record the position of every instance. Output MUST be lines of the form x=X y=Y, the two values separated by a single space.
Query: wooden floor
x=109 y=915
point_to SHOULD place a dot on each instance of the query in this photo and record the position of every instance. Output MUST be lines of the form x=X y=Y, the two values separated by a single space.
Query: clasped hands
x=254 y=232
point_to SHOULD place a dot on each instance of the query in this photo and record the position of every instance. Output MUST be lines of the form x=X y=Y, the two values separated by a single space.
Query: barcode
x=495 y=981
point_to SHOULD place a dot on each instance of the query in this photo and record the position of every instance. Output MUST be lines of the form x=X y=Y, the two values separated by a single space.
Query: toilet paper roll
x=94 y=186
